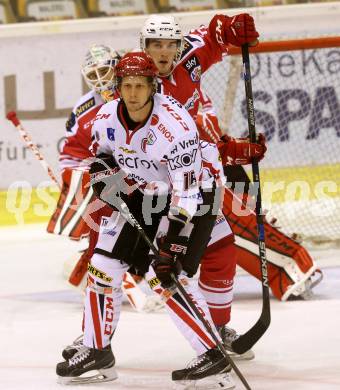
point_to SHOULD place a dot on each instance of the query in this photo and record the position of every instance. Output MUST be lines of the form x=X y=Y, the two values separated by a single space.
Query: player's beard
x=137 y=107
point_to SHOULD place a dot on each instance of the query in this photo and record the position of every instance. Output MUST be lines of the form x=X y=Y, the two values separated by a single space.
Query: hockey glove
x=109 y=182
x=236 y=30
x=240 y=151
x=208 y=127
x=168 y=261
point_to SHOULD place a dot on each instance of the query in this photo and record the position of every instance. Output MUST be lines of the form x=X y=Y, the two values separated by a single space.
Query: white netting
x=297 y=104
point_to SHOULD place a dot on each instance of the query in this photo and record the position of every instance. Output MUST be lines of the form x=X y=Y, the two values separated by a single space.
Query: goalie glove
x=235 y=30
x=240 y=151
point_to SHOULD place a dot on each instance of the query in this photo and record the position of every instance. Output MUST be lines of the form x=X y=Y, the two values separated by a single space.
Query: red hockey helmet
x=136 y=64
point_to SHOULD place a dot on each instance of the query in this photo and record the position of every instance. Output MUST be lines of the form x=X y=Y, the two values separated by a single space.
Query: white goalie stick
x=136 y=297
x=247 y=340
x=12 y=117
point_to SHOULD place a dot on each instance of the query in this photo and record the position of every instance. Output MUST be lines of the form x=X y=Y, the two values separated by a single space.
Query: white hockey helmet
x=162 y=27
x=98 y=68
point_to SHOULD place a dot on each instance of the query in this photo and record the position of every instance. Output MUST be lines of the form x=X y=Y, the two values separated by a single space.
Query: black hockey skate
x=88 y=365
x=207 y=371
x=228 y=335
x=72 y=349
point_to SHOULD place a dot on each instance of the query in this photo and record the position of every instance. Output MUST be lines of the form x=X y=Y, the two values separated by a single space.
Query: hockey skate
x=72 y=349
x=88 y=365
x=208 y=371
x=229 y=335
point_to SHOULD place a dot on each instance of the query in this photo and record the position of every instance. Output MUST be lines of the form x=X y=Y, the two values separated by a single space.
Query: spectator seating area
x=12 y=11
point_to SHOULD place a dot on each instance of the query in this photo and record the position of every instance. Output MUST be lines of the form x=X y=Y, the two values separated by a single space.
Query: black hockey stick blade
x=251 y=337
x=247 y=340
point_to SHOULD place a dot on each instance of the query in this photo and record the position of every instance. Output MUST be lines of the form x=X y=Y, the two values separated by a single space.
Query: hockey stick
x=247 y=340
x=136 y=297
x=123 y=208
x=12 y=116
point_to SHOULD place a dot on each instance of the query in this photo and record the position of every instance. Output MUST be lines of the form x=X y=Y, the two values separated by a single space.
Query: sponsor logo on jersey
x=154 y=282
x=99 y=274
x=193 y=67
x=185 y=144
x=150 y=139
x=135 y=162
x=218 y=32
x=167 y=134
x=110 y=133
x=192 y=62
x=85 y=106
x=186 y=47
x=183 y=160
x=102 y=116
x=88 y=124
x=126 y=150
x=175 y=115
x=154 y=119
x=195 y=74
x=190 y=103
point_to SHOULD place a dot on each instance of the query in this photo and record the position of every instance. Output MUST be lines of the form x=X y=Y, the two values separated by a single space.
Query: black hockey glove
x=171 y=250
x=108 y=181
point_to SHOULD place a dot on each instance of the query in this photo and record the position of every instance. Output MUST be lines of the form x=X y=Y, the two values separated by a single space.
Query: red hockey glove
x=208 y=128
x=168 y=261
x=240 y=29
x=240 y=151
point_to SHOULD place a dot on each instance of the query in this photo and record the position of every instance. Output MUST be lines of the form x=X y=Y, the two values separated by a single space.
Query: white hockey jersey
x=163 y=156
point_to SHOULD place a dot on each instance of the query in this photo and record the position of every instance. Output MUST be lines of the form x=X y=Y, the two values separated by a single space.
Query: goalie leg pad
x=290 y=266
x=76 y=195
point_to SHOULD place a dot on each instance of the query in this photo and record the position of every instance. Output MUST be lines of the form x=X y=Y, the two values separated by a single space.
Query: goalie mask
x=162 y=27
x=98 y=69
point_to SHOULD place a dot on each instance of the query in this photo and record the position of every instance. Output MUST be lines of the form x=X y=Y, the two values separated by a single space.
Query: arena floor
x=40 y=314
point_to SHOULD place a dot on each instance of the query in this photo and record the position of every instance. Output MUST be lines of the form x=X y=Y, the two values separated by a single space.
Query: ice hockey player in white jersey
x=154 y=142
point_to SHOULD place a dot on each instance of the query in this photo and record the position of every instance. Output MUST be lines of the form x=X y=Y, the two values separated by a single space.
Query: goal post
x=296 y=90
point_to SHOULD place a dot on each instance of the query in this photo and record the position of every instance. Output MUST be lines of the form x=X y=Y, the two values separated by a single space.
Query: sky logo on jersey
x=110 y=133
x=150 y=139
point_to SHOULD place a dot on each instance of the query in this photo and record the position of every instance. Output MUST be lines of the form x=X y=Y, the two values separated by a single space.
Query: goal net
x=296 y=91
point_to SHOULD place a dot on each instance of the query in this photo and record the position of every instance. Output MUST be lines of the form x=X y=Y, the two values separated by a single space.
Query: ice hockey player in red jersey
x=153 y=141
x=181 y=61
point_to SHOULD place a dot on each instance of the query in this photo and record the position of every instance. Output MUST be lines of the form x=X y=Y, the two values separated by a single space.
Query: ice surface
x=40 y=314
